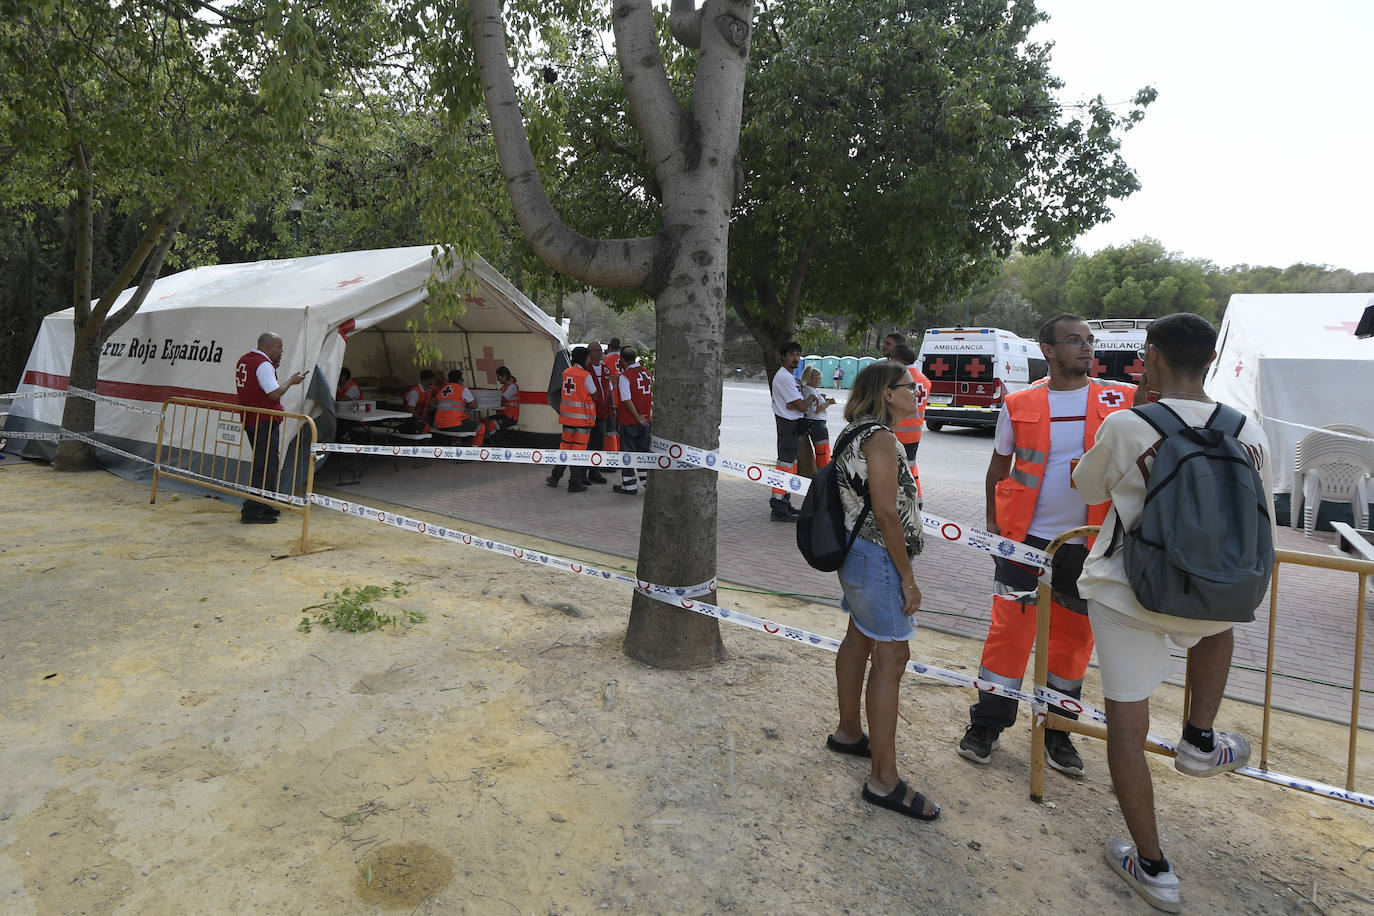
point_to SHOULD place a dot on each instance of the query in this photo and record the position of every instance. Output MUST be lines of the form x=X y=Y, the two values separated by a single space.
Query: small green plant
x=352 y=610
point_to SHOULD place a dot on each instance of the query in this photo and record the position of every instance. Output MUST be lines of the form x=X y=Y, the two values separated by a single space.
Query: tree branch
x=151 y=269
x=685 y=23
x=157 y=238
x=657 y=115
x=615 y=263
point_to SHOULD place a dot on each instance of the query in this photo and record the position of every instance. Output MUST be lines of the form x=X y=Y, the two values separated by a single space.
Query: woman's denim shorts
x=873 y=593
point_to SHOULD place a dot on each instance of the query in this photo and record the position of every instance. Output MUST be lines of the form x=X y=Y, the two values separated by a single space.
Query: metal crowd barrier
x=204 y=443
x=1052 y=720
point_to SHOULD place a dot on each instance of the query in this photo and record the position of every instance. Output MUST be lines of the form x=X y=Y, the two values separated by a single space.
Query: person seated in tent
x=348 y=389
x=451 y=408
x=509 y=414
x=417 y=400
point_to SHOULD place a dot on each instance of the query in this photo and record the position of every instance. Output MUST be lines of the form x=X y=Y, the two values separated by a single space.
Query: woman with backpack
x=880 y=592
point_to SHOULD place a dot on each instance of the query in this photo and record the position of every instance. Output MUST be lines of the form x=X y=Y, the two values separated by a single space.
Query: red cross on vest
x=1110 y=398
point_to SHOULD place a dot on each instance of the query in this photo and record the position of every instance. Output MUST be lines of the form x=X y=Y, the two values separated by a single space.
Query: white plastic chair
x=1335 y=468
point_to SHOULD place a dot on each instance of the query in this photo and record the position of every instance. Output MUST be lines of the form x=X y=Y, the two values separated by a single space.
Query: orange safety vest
x=576 y=407
x=510 y=402
x=452 y=408
x=421 y=401
x=1029 y=413
x=909 y=430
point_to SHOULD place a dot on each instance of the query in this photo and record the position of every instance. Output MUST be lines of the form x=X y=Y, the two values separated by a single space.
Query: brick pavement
x=1317 y=607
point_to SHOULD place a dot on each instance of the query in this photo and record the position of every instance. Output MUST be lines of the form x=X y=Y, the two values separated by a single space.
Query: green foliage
x=352 y=611
x=1140 y=280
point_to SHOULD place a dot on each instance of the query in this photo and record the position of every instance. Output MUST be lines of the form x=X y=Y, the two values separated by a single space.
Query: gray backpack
x=1204 y=548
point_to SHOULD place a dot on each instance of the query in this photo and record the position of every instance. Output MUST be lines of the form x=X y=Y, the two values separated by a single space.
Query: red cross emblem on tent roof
x=1346 y=326
x=1239 y=366
x=342 y=284
x=1110 y=397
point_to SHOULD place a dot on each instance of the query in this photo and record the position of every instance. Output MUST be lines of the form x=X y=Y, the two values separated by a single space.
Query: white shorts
x=1133 y=656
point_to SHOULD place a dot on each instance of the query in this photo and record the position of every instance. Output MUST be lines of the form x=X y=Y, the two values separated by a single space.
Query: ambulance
x=971 y=372
x=1115 y=355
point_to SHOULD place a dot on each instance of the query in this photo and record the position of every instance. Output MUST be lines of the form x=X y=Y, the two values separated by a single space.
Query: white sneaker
x=1229 y=751
x=1159 y=891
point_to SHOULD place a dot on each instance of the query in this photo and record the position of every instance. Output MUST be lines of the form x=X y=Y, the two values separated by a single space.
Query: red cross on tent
x=476 y=300
x=489 y=364
x=939 y=367
x=1346 y=326
x=1239 y=365
x=975 y=367
x=344 y=283
x=1110 y=398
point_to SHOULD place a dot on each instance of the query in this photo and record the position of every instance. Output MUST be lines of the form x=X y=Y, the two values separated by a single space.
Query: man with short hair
x=635 y=411
x=577 y=414
x=1041 y=432
x=451 y=408
x=890 y=343
x=255 y=379
x=348 y=389
x=909 y=430
x=789 y=415
x=1132 y=651
x=604 y=434
x=612 y=358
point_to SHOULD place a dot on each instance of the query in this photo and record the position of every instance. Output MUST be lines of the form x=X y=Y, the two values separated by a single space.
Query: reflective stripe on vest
x=576 y=406
x=1029 y=412
x=910 y=429
x=452 y=409
x=510 y=402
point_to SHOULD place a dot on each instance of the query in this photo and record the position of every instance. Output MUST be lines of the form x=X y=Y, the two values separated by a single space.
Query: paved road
x=1316 y=621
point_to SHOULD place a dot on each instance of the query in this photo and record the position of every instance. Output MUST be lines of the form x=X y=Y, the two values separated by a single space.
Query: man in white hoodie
x=1132 y=642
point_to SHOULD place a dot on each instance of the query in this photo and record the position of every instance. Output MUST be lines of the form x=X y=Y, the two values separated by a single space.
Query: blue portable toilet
x=865 y=361
x=850 y=367
x=811 y=361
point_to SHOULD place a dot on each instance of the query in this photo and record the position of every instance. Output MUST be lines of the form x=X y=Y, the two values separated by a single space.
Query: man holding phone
x=255 y=378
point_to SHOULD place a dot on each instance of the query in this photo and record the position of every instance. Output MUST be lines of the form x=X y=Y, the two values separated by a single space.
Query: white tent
x=1291 y=362
x=331 y=310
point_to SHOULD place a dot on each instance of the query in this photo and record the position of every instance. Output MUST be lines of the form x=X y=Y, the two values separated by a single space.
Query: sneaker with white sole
x=1159 y=891
x=1229 y=751
x=978 y=743
x=1061 y=754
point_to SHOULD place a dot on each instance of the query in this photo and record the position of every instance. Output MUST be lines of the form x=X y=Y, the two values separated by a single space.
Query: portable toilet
x=866 y=361
x=827 y=366
x=810 y=362
x=850 y=367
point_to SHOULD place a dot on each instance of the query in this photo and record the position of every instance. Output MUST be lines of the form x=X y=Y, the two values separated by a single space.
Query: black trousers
x=266 y=438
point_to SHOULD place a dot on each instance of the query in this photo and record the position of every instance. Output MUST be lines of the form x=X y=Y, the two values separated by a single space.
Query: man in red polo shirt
x=255 y=378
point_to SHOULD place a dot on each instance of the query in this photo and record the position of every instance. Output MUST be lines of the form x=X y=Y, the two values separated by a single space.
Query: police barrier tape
x=933 y=525
x=165 y=468
x=683 y=597
x=675 y=597
x=83 y=393
x=574 y=457
x=1319 y=429
x=671 y=455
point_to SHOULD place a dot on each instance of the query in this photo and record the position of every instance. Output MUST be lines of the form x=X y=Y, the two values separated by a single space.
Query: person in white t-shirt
x=789 y=415
x=1041 y=431
x=1131 y=641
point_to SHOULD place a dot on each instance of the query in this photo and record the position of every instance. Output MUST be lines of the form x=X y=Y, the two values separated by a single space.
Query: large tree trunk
x=684 y=267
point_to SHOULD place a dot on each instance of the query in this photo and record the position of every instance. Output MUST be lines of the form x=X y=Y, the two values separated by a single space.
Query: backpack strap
x=841 y=444
x=1226 y=415
x=1161 y=417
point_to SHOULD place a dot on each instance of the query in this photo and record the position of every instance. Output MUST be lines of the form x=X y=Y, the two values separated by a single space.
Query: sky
x=1260 y=147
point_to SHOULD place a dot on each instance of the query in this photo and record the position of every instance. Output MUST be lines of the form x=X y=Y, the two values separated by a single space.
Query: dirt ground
x=170 y=743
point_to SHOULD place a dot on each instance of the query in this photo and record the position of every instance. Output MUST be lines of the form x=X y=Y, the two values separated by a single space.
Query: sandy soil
x=170 y=743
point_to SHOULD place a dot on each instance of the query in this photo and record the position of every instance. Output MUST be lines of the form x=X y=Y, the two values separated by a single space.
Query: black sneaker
x=577 y=488
x=978 y=743
x=258 y=519
x=597 y=478
x=1061 y=754
x=551 y=480
x=782 y=515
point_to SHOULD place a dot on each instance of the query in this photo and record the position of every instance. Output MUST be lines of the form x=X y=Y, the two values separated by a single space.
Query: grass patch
x=351 y=610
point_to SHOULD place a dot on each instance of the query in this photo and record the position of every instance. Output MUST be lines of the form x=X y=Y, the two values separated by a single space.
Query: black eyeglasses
x=909 y=386
x=1076 y=341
